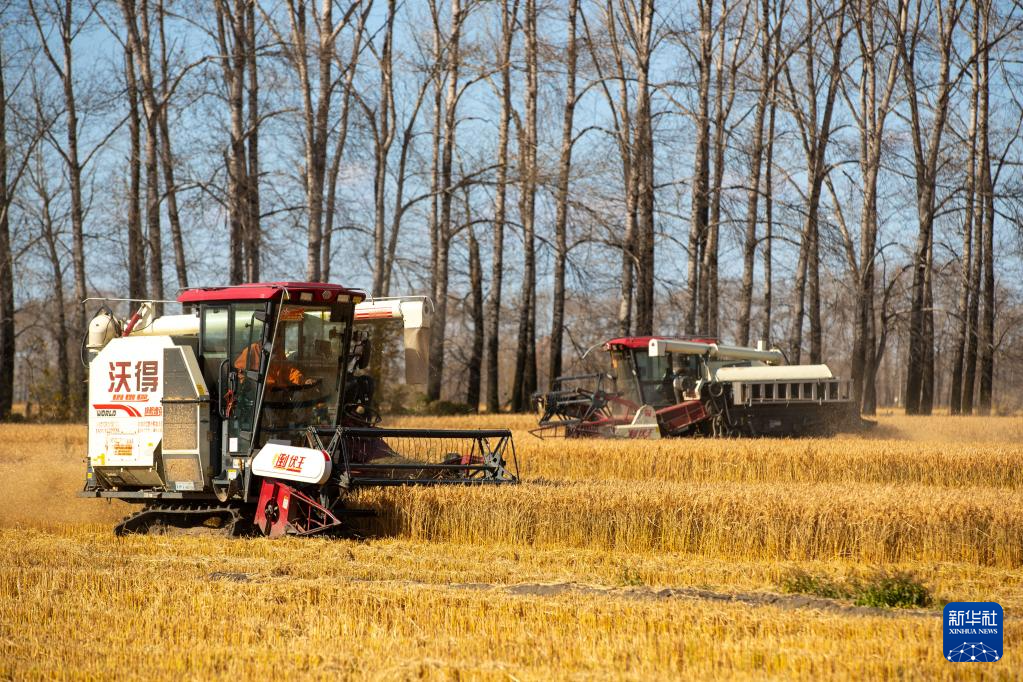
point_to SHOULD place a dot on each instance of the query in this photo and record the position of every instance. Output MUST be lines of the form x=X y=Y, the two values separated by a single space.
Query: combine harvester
x=255 y=410
x=666 y=387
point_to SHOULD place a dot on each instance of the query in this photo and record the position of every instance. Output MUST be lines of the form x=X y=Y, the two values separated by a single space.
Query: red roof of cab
x=264 y=291
x=644 y=341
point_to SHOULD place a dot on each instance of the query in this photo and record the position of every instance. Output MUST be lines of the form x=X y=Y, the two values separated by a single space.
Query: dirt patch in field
x=783 y=601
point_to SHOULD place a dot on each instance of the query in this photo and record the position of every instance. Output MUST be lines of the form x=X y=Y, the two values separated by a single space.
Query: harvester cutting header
x=662 y=386
x=256 y=409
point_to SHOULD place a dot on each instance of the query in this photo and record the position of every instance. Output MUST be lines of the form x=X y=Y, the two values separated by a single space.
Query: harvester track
x=164 y=515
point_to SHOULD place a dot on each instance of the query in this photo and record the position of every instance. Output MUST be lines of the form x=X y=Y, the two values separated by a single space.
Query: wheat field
x=625 y=560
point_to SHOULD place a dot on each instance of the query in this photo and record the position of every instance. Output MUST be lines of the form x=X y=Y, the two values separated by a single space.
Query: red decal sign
x=132 y=412
x=286 y=462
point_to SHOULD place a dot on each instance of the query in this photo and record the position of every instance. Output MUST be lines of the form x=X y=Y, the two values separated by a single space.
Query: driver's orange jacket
x=280 y=372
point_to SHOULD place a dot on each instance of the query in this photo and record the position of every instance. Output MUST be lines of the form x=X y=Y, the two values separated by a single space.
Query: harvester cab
x=256 y=407
x=696 y=386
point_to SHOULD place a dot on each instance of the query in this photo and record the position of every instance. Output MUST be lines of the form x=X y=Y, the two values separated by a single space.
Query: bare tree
x=136 y=242
x=316 y=92
x=561 y=198
x=62 y=16
x=252 y=234
x=382 y=123
x=874 y=25
x=987 y=196
x=9 y=182
x=637 y=27
x=815 y=135
x=766 y=33
x=629 y=36
x=348 y=93
x=765 y=329
x=700 y=204
x=967 y=294
x=166 y=155
x=524 y=381
x=444 y=232
x=136 y=17
x=509 y=14
x=926 y=142
x=472 y=395
x=7 y=339
x=235 y=39
x=42 y=212
x=724 y=99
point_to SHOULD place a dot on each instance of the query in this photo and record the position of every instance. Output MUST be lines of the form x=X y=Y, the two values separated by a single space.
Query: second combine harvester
x=661 y=386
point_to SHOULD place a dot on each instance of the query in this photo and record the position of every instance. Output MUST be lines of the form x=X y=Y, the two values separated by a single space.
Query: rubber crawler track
x=142 y=520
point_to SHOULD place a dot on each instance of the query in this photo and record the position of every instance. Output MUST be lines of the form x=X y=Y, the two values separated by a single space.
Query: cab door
x=213 y=352
x=242 y=374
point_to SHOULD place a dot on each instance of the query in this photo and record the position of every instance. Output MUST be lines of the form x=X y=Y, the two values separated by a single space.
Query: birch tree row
x=837 y=178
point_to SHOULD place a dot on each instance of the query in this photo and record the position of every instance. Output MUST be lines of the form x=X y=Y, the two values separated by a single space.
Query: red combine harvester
x=660 y=386
x=255 y=410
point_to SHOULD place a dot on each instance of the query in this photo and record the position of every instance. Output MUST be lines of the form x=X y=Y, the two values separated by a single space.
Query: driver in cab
x=282 y=373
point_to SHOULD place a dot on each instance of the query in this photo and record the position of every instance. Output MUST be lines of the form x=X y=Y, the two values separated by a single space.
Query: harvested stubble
x=87 y=604
x=940 y=496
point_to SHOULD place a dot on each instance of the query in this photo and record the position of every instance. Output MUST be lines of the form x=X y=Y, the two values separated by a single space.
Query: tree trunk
x=330 y=197
x=701 y=170
x=955 y=400
x=561 y=199
x=815 y=137
x=749 y=244
x=508 y=23
x=382 y=126
x=472 y=396
x=60 y=330
x=253 y=235
x=136 y=244
x=723 y=102
x=926 y=159
x=233 y=54
x=973 y=315
x=399 y=189
x=873 y=113
x=987 y=318
x=433 y=227
x=525 y=356
x=444 y=227
x=639 y=20
x=167 y=158
x=987 y=325
x=798 y=301
x=7 y=342
x=80 y=395
x=315 y=109
x=624 y=133
x=63 y=16
x=765 y=328
x=141 y=48
x=814 y=279
x=927 y=376
x=153 y=233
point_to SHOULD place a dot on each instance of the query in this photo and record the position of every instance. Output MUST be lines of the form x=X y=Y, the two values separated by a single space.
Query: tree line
x=839 y=178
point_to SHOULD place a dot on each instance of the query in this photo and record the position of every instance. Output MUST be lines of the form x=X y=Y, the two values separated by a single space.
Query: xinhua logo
x=973 y=632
